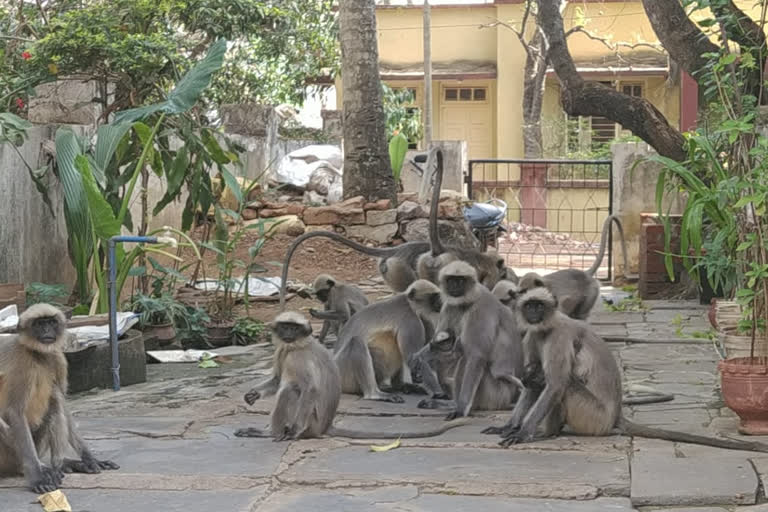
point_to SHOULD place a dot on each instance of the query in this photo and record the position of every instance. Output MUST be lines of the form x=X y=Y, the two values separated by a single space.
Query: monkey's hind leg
x=87 y=463
x=354 y=358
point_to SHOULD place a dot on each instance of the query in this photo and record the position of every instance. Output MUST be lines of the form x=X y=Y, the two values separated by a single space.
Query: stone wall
x=378 y=222
x=634 y=195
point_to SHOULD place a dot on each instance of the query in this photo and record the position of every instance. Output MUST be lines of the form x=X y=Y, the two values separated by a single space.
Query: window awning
x=457 y=70
x=631 y=63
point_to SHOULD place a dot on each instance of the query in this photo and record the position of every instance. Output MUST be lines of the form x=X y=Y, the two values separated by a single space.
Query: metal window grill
x=556 y=210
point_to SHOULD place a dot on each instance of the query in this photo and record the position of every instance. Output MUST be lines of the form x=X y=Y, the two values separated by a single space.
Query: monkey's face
x=288 y=332
x=45 y=329
x=455 y=286
x=322 y=294
x=534 y=311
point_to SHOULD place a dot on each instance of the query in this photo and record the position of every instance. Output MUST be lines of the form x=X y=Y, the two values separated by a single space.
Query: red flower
x=19 y=103
x=26 y=55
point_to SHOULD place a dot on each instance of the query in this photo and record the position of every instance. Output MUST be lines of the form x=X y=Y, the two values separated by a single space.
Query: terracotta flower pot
x=165 y=333
x=220 y=334
x=744 y=385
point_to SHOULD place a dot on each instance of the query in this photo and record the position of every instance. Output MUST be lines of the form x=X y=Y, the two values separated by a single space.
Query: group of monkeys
x=479 y=338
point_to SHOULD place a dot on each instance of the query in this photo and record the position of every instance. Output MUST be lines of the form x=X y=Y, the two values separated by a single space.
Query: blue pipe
x=113 y=299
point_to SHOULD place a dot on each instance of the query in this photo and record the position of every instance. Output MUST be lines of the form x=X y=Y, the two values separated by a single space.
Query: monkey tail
x=604 y=242
x=434 y=236
x=649 y=396
x=370 y=251
x=357 y=434
x=633 y=429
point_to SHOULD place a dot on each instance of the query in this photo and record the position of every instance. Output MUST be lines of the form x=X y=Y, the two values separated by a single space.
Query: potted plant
x=226 y=240
x=37 y=293
x=191 y=328
x=725 y=186
x=249 y=330
x=157 y=316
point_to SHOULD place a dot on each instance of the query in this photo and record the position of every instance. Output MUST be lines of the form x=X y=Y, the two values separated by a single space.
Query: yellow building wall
x=456 y=36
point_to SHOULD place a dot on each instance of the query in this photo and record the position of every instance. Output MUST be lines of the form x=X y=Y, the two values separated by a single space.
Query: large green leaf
x=105 y=225
x=175 y=176
x=398 y=147
x=76 y=208
x=187 y=91
x=233 y=185
x=108 y=138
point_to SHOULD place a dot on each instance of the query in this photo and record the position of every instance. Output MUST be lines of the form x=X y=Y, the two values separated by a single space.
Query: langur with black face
x=308 y=386
x=341 y=301
x=576 y=290
x=34 y=417
x=579 y=383
x=490 y=352
x=379 y=343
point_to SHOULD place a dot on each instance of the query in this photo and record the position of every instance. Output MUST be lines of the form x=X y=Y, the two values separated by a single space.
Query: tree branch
x=683 y=40
x=580 y=98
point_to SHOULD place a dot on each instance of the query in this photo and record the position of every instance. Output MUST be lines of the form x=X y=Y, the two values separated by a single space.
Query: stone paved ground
x=173 y=439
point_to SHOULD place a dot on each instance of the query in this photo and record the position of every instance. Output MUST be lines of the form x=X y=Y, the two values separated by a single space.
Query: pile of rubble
x=379 y=222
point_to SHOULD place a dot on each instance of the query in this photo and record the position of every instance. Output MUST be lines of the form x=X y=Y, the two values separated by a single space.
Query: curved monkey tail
x=649 y=396
x=358 y=434
x=434 y=238
x=604 y=243
x=370 y=251
x=633 y=429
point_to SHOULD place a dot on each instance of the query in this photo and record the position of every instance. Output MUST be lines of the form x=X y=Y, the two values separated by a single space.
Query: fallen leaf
x=206 y=361
x=54 y=501
x=386 y=447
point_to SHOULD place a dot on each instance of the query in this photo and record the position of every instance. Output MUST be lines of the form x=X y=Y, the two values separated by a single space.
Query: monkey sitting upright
x=341 y=301
x=308 y=386
x=491 y=356
x=33 y=387
x=579 y=383
x=576 y=290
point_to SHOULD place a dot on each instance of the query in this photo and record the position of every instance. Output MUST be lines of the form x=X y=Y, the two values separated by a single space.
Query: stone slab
x=148 y=426
x=409 y=499
x=615 y=317
x=517 y=472
x=212 y=456
x=14 y=500
x=661 y=477
x=692 y=509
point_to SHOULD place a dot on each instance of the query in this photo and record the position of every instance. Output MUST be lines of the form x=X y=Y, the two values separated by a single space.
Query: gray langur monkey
x=308 y=387
x=339 y=300
x=402 y=265
x=34 y=417
x=579 y=383
x=506 y=291
x=576 y=290
x=491 y=355
x=378 y=343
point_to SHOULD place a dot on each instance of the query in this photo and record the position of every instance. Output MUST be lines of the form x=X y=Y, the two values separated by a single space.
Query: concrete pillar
x=533 y=194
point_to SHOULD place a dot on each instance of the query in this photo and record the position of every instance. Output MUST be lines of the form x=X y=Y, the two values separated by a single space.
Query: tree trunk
x=427 y=75
x=367 y=170
x=533 y=95
x=580 y=98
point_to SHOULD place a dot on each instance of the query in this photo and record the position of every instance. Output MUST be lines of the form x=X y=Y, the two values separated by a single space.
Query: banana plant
x=90 y=175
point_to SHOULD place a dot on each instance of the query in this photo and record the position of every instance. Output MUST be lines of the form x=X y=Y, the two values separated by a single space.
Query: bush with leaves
x=249 y=330
x=41 y=293
x=724 y=224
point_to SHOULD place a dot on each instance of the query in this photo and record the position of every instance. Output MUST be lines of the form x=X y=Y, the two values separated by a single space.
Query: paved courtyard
x=173 y=437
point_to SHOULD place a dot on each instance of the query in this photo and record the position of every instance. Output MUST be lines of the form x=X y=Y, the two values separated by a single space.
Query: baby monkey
x=308 y=386
x=341 y=301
